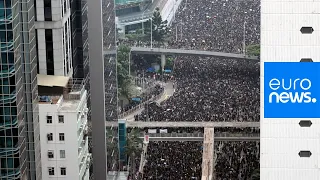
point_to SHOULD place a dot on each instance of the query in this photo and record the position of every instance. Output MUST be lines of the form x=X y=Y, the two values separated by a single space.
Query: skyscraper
x=19 y=128
x=103 y=78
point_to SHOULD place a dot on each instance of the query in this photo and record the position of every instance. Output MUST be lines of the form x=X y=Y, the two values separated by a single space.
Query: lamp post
x=143 y=21
x=151 y=32
x=244 y=38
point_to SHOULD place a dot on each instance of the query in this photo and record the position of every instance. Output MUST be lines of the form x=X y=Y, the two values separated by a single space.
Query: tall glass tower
x=19 y=129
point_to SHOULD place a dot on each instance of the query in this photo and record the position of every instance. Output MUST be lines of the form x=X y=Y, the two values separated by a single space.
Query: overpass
x=158 y=124
x=187 y=52
x=200 y=136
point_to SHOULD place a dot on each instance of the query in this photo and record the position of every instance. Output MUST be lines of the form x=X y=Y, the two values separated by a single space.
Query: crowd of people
x=173 y=161
x=209 y=89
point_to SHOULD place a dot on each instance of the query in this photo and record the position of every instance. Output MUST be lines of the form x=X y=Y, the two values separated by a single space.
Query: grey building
x=103 y=82
x=110 y=76
x=19 y=128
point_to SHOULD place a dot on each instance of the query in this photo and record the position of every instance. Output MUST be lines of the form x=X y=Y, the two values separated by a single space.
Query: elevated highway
x=158 y=124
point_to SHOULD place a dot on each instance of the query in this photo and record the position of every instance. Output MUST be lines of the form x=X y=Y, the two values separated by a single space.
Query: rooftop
x=65 y=91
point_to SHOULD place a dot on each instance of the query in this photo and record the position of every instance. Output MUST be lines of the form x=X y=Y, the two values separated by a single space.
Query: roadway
x=159 y=124
x=168 y=91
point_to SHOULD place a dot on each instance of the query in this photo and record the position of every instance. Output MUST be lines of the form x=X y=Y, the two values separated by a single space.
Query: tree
x=255 y=174
x=134 y=147
x=253 y=50
x=159 y=27
x=123 y=76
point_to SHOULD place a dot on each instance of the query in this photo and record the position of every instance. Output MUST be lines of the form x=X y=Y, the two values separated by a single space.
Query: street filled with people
x=209 y=89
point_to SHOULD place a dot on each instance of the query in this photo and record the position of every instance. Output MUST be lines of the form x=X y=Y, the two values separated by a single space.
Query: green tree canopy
x=159 y=27
x=255 y=174
x=123 y=76
x=253 y=50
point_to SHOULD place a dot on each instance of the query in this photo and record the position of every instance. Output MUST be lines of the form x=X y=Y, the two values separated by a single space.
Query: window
x=49 y=51
x=47 y=10
x=61 y=136
x=50 y=137
x=49 y=119
x=61 y=118
x=63 y=171
x=51 y=171
x=50 y=154
x=62 y=154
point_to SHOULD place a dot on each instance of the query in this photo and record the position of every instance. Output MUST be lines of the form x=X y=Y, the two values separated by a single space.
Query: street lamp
x=244 y=38
x=151 y=32
x=143 y=21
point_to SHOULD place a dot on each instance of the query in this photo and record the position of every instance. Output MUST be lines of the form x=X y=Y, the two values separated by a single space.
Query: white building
x=53 y=33
x=282 y=41
x=63 y=128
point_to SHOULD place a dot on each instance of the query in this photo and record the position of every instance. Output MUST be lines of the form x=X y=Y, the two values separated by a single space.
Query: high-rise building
x=53 y=31
x=19 y=128
x=289 y=33
x=103 y=77
x=79 y=33
x=63 y=128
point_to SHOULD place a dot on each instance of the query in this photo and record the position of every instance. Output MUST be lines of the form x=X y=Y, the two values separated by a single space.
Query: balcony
x=7 y=72
x=82 y=121
x=8 y=123
x=83 y=150
x=8 y=98
x=85 y=162
x=82 y=135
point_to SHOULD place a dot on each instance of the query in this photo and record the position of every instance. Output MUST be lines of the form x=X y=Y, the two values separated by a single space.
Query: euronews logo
x=291 y=91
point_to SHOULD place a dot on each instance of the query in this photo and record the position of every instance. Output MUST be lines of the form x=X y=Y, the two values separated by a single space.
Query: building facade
x=110 y=79
x=19 y=128
x=63 y=128
x=80 y=45
x=53 y=31
x=283 y=39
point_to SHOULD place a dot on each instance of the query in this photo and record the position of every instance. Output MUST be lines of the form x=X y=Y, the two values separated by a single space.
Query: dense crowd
x=183 y=160
x=173 y=161
x=210 y=89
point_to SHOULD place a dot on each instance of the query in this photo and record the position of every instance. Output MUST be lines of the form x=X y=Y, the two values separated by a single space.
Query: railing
x=200 y=135
x=140 y=106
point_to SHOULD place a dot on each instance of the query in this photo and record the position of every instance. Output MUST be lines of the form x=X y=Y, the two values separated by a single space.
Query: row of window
x=51 y=154
x=60 y=119
x=50 y=136
x=63 y=171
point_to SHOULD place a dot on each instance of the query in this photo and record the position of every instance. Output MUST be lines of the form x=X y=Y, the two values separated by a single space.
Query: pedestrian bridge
x=158 y=124
x=200 y=136
x=187 y=52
